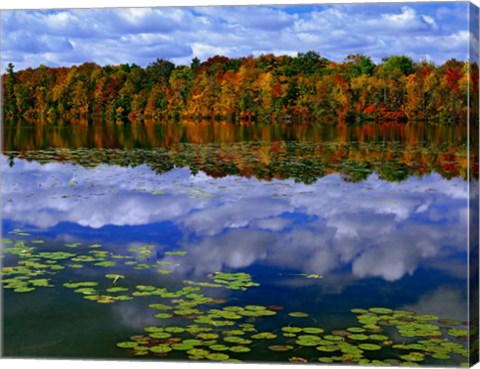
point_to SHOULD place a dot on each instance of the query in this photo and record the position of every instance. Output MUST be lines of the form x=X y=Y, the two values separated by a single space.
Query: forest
x=267 y=89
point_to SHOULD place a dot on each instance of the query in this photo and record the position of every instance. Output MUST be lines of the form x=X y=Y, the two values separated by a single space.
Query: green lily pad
x=292 y=329
x=105 y=264
x=298 y=314
x=160 y=335
x=350 y=349
x=425 y=317
x=181 y=346
x=174 y=329
x=153 y=329
x=331 y=337
x=457 y=332
x=413 y=357
x=127 y=344
x=378 y=337
x=163 y=316
x=116 y=289
x=237 y=339
x=332 y=348
x=264 y=335
x=160 y=307
x=193 y=342
x=208 y=336
x=80 y=284
x=23 y=289
x=441 y=356
x=234 y=332
x=218 y=347
x=307 y=340
x=217 y=357
x=239 y=349
x=200 y=353
x=255 y=307
x=358 y=337
x=39 y=282
x=160 y=349
x=380 y=310
x=326 y=360
x=280 y=348
x=313 y=330
x=369 y=346
x=86 y=290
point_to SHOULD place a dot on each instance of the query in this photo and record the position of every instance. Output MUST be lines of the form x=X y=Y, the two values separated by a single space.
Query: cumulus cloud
x=140 y=35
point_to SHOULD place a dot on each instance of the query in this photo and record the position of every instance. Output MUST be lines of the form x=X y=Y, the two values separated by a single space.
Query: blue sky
x=434 y=31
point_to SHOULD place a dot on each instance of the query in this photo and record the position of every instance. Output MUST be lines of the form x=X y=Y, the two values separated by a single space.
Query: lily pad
x=160 y=349
x=239 y=349
x=237 y=340
x=313 y=330
x=413 y=357
x=127 y=344
x=217 y=357
x=380 y=310
x=174 y=329
x=218 y=347
x=378 y=337
x=264 y=335
x=163 y=316
x=181 y=346
x=358 y=337
x=280 y=348
x=328 y=348
x=369 y=346
x=23 y=289
x=160 y=335
x=292 y=329
x=457 y=332
x=298 y=314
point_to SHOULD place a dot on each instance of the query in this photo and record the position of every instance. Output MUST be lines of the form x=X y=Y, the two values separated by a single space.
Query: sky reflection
x=373 y=228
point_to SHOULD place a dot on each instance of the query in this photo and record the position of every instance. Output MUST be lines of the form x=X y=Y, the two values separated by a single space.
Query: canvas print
x=256 y=184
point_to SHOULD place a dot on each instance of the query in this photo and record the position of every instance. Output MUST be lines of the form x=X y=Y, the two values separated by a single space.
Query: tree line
x=266 y=88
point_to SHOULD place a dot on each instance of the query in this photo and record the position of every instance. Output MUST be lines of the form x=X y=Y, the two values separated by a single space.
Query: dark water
x=321 y=219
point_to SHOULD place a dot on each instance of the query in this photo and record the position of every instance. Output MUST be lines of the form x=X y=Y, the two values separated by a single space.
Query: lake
x=223 y=242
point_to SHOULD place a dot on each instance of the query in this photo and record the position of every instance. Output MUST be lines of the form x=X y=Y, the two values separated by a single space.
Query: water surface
x=321 y=220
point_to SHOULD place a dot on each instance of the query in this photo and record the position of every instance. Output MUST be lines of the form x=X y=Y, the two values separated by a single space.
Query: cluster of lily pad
x=193 y=324
x=209 y=334
x=206 y=337
x=232 y=281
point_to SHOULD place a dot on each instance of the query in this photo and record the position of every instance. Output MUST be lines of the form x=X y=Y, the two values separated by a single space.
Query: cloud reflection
x=377 y=228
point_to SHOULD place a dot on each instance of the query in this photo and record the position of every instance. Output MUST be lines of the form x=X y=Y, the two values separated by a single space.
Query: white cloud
x=140 y=35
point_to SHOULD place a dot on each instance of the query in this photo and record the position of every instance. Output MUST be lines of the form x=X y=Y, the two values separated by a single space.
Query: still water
x=222 y=242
